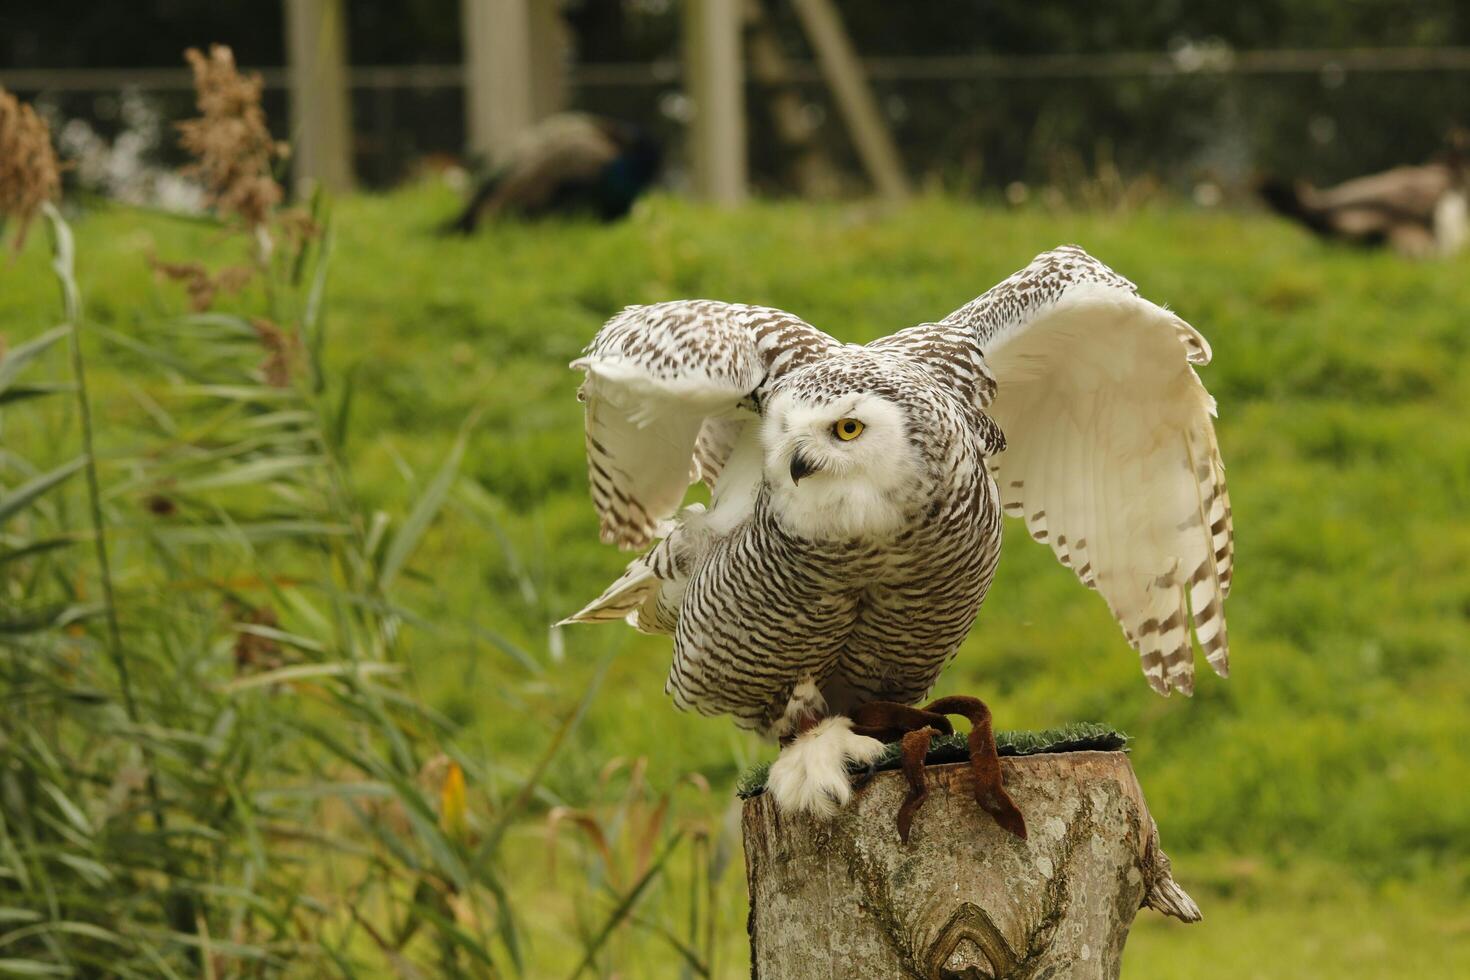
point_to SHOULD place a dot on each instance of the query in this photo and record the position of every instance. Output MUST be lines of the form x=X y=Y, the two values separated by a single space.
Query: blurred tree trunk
x=963 y=899
x=515 y=54
x=321 y=106
x=498 y=101
x=714 y=76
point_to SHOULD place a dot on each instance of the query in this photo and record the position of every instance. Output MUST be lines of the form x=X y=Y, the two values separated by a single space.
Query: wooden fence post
x=515 y=70
x=849 y=84
x=715 y=77
x=321 y=108
x=498 y=99
x=963 y=898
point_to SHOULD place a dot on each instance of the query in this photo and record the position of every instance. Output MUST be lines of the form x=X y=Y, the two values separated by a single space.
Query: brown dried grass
x=282 y=349
x=202 y=285
x=230 y=139
x=29 y=173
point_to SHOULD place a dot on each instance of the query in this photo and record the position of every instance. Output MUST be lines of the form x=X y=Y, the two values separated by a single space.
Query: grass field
x=1317 y=805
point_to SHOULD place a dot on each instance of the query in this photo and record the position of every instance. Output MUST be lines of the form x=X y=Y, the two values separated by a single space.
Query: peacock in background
x=571 y=163
x=1419 y=211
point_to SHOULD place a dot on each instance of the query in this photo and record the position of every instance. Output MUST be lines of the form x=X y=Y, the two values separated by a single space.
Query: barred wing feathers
x=667 y=391
x=1111 y=457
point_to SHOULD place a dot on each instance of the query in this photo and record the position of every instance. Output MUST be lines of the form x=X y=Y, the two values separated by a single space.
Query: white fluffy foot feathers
x=811 y=774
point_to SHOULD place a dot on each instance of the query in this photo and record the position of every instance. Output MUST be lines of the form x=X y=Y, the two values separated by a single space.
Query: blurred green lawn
x=1317 y=805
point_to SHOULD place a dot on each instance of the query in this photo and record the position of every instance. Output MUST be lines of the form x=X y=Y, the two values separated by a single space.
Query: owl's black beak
x=800 y=467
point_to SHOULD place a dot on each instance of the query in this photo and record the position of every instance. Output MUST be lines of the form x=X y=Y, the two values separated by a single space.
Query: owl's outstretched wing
x=1111 y=458
x=664 y=392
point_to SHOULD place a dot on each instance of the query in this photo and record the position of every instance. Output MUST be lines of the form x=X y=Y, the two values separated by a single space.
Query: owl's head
x=841 y=464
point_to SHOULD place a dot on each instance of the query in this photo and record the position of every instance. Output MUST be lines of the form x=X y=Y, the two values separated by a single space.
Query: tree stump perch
x=964 y=898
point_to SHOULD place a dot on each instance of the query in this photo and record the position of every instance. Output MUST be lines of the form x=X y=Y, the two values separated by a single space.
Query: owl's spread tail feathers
x=622 y=599
x=811 y=774
x=648 y=593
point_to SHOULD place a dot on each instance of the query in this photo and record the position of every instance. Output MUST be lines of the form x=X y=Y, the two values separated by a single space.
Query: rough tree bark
x=963 y=899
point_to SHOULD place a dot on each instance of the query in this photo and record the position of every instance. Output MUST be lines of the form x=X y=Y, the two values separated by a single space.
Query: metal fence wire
x=1197 y=114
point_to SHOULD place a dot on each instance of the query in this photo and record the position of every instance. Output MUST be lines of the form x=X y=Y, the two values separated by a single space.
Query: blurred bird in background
x=1420 y=211
x=569 y=163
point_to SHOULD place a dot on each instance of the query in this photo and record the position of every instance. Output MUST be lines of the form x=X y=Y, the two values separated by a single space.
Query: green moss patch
x=1082 y=736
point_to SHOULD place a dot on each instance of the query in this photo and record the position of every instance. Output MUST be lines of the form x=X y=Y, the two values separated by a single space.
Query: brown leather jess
x=916 y=728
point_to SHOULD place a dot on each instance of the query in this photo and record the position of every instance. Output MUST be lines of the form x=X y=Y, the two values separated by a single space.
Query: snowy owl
x=857 y=494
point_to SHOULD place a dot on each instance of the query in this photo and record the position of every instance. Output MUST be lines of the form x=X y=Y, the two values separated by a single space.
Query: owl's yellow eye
x=847 y=429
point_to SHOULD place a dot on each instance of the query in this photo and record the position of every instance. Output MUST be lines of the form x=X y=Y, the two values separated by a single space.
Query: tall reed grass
x=212 y=758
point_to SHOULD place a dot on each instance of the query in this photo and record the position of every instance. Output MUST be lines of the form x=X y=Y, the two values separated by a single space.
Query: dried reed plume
x=230 y=138
x=29 y=174
x=200 y=285
x=282 y=351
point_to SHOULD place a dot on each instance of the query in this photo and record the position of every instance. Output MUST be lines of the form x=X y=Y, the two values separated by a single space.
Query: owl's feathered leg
x=811 y=774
